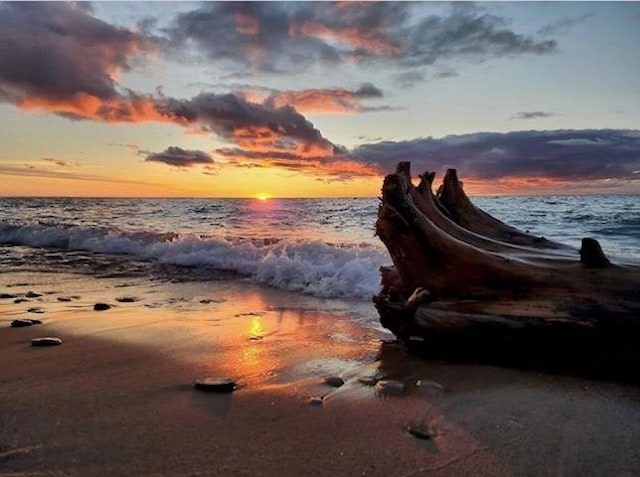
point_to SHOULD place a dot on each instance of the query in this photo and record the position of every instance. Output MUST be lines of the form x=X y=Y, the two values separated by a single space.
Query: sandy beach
x=117 y=397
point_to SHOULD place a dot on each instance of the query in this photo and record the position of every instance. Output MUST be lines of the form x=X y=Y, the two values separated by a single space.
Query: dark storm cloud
x=467 y=32
x=54 y=52
x=178 y=157
x=561 y=154
x=59 y=58
x=368 y=90
x=242 y=122
x=532 y=115
x=279 y=37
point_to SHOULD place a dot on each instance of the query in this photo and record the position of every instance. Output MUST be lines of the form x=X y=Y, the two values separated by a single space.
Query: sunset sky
x=317 y=99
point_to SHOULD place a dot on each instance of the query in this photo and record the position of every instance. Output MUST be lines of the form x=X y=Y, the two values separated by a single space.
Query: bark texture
x=465 y=285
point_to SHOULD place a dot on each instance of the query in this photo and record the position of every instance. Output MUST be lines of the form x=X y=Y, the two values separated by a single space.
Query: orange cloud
x=246 y=24
x=368 y=40
x=318 y=101
x=133 y=109
x=325 y=101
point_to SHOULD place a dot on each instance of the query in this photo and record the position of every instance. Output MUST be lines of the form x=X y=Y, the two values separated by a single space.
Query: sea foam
x=306 y=266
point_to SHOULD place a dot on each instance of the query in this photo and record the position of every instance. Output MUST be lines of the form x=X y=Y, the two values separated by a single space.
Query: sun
x=263 y=196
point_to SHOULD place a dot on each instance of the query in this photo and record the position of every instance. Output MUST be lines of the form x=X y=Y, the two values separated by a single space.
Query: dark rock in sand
x=64 y=298
x=388 y=386
x=35 y=309
x=316 y=401
x=35 y=322
x=334 y=381
x=20 y=323
x=217 y=385
x=421 y=432
x=20 y=300
x=127 y=299
x=6 y=296
x=101 y=307
x=32 y=294
x=429 y=387
x=46 y=341
x=368 y=380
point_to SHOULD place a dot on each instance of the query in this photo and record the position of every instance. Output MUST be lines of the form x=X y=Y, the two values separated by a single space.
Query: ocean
x=321 y=247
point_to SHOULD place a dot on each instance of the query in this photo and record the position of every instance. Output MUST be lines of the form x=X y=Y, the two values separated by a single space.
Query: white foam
x=311 y=267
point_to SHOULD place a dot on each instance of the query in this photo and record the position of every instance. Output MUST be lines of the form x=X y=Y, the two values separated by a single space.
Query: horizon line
x=587 y=194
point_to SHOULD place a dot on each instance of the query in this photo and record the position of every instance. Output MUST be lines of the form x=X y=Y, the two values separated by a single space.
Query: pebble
x=368 y=380
x=20 y=300
x=64 y=298
x=218 y=385
x=430 y=387
x=32 y=294
x=36 y=309
x=316 y=401
x=46 y=341
x=420 y=432
x=101 y=306
x=127 y=299
x=20 y=323
x=388 y=386
x=334 y=381
x=7 y=295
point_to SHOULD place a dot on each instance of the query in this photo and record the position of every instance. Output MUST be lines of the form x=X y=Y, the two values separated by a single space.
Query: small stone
x=218 y=385
x=368 y=380
x=420 y=432
x=20 y=300
x=32 y=294
x=101 y=307
x=21 y=323
x=316 y=401
x=35 y=309
x=388 y=386
x=46 y=341
x=35 y=322
x=64 y=298
x=127 y=299
x=334 y=381
x=430 y=387
x=5 y=296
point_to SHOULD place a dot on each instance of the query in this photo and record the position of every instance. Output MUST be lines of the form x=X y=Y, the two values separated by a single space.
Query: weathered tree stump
x=466 y=286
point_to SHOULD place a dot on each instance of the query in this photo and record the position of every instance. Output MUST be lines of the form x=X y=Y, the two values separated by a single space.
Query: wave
x=311 y=267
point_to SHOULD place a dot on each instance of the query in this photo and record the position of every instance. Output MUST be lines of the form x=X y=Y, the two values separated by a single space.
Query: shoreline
x=117 y=397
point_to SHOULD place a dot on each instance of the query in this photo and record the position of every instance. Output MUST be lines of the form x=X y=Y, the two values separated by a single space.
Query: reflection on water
x=256 y=331
x=251 y=357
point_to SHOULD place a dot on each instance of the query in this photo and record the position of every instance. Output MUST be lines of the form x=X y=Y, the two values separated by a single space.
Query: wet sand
x=117 y=397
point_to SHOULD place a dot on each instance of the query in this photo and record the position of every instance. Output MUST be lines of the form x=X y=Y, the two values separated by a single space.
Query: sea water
x=321 y=247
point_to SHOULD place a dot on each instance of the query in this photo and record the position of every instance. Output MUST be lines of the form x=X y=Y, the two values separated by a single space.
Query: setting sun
x=263 y=196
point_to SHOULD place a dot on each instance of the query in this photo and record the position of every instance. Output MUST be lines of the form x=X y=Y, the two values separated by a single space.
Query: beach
x=117 y=397
x=209 y=267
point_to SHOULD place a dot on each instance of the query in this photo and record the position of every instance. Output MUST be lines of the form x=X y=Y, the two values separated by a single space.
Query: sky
x=315 y=99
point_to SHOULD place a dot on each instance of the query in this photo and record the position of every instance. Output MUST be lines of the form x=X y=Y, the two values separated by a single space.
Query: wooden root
x=466 y=284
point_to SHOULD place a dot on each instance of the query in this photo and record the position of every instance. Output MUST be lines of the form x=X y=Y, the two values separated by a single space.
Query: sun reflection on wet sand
x=261 y=337
x=256 y=331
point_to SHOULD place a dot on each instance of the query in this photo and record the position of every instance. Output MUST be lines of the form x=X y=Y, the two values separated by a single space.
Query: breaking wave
x=307 y=266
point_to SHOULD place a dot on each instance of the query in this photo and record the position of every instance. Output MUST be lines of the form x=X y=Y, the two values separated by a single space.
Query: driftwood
x=464 y=285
